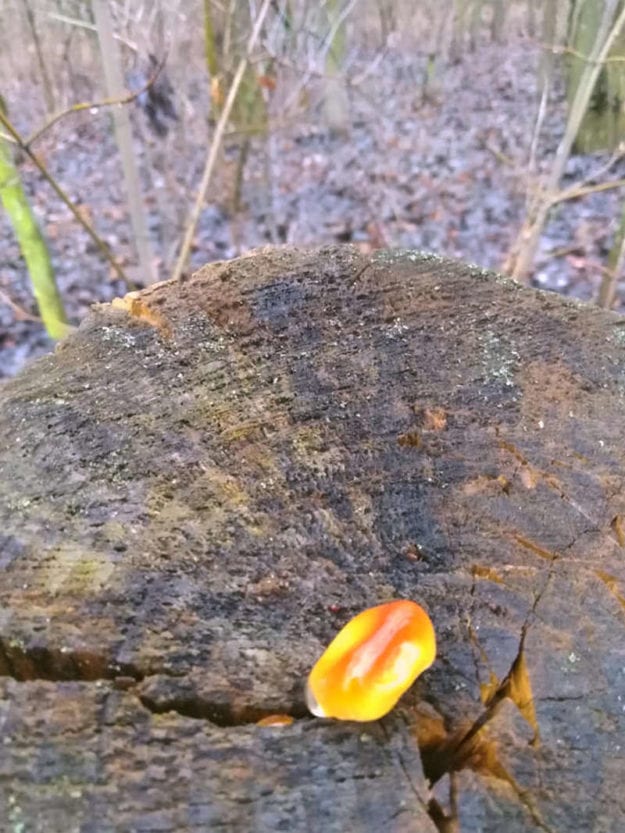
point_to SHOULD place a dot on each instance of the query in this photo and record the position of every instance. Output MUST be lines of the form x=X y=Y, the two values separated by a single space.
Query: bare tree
x=215 y=145
x=48 y=89
x=111 y=62
x=520 y=260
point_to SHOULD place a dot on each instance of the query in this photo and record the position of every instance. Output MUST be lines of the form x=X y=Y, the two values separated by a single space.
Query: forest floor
x=445 y=172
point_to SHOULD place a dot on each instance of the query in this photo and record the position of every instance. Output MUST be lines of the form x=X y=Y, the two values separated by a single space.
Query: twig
x=561 y=251
x=326 y=45
x=20 y=312
x=357 y=81
x=91 y=105
x=584 y=262
x=592 y=264
x=540 y=117
x=216 y=144
x=568 y=50
x=499 y=155
x=574 y=193
x=618 y=154
x=65 y=199
x=336 y=25
x=84 y=24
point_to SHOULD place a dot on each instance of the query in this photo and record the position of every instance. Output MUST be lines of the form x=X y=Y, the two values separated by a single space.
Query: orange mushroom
x=371 y=662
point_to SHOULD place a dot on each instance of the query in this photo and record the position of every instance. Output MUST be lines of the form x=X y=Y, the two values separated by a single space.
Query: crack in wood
x=446 y=822
x=222 y=714
x=469 y=748
x=58 y=665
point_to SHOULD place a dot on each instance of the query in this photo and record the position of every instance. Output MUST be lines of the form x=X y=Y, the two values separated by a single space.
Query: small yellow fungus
x=275 y=720
x=371 y=662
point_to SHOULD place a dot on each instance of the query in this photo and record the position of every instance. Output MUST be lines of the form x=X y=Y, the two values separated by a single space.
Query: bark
x=211 y=476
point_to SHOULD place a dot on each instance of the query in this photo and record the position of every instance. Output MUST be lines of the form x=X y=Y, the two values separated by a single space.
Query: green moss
x=75 y=570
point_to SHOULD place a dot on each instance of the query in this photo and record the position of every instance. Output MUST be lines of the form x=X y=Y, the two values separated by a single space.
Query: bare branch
x=93 y=105
x=574 y=193
x=557 y=49
x=20 y=312
x=65 y=199
x=85 y=24
x=216 y=143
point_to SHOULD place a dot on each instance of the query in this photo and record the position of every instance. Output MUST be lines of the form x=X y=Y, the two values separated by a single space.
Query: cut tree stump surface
x=209 y=478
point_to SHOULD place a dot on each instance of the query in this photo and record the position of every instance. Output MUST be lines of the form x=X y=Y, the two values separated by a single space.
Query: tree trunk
x=335 y=97
x=211 y=476
x=46 y=81
x=498 y=20
x=603 y=126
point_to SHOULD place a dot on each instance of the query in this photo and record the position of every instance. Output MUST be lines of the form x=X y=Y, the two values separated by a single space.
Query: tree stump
x=209 y=478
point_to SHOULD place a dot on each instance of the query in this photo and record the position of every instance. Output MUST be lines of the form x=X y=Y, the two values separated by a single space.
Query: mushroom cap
x=371 y=662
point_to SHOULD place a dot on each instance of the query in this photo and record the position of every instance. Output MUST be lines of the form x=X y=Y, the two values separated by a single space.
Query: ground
x=444 y=172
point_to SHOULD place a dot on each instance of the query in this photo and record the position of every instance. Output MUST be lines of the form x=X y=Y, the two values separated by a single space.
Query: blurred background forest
x=140 y=139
